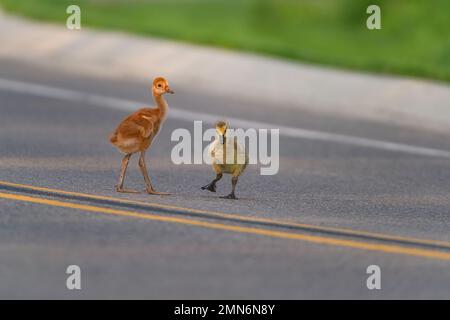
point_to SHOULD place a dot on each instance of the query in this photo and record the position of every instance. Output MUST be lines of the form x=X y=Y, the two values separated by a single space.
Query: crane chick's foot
x=211 y=187
x=151 y=191
x=230 y=196
x=123 y=190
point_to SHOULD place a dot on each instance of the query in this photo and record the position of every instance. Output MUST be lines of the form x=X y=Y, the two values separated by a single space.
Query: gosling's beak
x=168 y=90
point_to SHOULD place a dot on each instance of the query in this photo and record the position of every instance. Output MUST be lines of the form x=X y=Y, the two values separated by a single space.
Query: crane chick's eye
x=159 y=85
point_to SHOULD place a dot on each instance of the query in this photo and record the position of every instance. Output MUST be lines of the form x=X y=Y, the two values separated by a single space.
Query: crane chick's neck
x=161 y=103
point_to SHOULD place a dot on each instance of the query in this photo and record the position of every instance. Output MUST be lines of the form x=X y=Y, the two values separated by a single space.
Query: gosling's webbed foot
x=230 y=196
x=210 y=187
x=123 y=190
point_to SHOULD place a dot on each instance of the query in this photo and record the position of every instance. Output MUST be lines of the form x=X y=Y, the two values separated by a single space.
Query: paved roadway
x=208 y=247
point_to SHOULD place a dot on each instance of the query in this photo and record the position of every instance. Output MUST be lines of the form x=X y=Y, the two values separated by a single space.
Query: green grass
x=414 y=39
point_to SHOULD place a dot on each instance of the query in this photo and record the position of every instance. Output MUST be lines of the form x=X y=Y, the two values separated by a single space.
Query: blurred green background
x=414 y=39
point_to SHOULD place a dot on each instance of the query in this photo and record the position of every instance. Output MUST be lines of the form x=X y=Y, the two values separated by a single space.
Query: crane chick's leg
x=119 y=187
x=234 y=181
x=212 y=185
x=148 y=183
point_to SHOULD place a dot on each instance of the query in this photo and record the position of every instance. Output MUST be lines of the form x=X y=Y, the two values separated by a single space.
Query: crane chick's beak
x=168 y=90
x=222 y=139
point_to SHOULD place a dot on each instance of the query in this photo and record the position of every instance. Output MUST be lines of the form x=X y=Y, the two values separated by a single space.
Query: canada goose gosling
x=225 y=152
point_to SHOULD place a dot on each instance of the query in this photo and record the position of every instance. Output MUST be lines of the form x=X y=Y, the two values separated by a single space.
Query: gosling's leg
x=212 y=185
x=148 y=183
x=123 y=171
x=234 y=181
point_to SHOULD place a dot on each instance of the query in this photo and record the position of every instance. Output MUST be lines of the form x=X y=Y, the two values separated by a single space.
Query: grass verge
x=414 y=39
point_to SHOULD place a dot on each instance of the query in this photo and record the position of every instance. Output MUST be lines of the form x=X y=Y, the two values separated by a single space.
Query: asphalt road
x=165 y=252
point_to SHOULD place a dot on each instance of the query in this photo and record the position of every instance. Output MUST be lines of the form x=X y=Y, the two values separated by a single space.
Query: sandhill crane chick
x=137 y=131
x=228 y=156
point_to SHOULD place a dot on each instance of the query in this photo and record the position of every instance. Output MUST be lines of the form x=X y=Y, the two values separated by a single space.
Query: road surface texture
x=334 y=208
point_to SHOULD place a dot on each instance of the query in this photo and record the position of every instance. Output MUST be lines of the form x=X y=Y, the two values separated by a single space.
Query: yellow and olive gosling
x=225 y=153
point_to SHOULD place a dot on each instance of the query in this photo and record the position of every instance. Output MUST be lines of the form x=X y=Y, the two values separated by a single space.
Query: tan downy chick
x=228 y=156
x=137 y=131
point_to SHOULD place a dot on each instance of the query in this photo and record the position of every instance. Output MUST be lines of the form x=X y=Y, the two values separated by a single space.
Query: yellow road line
x=259 y=231
x=235 y=216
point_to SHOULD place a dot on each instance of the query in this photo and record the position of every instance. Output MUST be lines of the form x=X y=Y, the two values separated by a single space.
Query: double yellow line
x=386 y=248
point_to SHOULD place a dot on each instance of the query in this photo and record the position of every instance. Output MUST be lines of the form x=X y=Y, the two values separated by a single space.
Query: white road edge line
x=129 y=105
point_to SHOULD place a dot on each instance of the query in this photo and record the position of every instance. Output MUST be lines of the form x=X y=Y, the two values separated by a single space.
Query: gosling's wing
x=237 y=146
x=240 y=156
x=212 y=150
